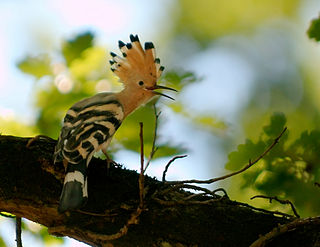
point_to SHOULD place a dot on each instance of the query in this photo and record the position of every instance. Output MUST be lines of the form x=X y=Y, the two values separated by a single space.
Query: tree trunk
x=30 y=187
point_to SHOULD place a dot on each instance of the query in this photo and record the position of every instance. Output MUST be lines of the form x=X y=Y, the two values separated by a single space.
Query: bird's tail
x=74 y=193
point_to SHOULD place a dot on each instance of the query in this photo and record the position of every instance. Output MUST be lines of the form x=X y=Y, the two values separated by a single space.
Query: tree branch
x=30 y=187
x=282 y=229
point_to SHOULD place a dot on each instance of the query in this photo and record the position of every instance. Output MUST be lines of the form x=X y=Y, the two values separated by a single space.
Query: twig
x=213 y=193
x=251 y=163
x=141 y=176
x=221 y=189
x=278 y=200
x=18 y=232
x=206 y=192
x=182 y=202
x=193 y=187
x=74 y=232
x=96 y=214
x=154 y=149
x=281 y=229
x=190 y=199
x=169 y=163
x=264 y=210
x=317 y=184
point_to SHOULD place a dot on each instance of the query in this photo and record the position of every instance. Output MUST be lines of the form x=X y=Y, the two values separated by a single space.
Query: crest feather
x=135 y=60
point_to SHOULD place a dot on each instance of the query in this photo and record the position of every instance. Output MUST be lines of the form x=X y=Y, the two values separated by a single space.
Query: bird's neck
x=132 y=98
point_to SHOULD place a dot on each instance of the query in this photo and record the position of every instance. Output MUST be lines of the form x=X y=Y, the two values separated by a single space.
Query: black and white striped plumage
x=90 y=124
x=88 y=127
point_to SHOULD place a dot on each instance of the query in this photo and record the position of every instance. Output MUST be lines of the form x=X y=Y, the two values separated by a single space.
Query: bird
x=90 y=124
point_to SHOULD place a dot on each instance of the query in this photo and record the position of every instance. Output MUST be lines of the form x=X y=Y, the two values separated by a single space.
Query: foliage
x=38 y=66
x=13 y=127
x=73 y=48
x=290 y=170
x=206 y=20
x=314 y=29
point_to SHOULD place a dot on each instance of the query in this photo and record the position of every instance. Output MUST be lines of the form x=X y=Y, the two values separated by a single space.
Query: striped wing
x=88 y=127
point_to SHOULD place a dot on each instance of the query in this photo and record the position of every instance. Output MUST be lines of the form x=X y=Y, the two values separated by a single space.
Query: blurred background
x=244 y=70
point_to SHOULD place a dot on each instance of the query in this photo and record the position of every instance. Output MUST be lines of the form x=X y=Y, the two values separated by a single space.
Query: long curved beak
x=162 y=87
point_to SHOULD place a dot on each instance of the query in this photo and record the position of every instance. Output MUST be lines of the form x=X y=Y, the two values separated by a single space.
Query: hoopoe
x=90 y=124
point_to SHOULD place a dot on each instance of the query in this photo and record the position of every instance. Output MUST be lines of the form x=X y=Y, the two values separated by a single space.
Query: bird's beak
x=161 y=87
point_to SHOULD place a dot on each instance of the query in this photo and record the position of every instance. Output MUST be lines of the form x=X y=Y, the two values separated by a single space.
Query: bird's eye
x=141 y=83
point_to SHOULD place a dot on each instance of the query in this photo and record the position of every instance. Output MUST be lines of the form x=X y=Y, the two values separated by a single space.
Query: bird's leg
x=36 y=138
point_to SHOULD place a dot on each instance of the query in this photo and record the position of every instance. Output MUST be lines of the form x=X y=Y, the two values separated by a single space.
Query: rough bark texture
x=30 y=187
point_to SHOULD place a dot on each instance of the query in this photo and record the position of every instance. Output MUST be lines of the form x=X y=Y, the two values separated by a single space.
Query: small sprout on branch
x=154 y=149
x=141 y=175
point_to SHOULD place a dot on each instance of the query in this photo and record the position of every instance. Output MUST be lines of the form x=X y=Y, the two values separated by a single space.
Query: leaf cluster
x=290 y=170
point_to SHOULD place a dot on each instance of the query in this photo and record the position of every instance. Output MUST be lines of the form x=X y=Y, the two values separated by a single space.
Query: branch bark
x=30 y=187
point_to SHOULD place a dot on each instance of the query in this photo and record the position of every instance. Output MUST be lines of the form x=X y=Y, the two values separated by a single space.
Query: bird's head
x=138 y=68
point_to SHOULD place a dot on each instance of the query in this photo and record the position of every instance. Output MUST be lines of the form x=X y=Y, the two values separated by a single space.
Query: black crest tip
x=129 y=45
x=161 y=68
x=157 y=60
x=121 y=44
x=111 y=62
x=148 y=45
x=132 y=38
x=113 y=54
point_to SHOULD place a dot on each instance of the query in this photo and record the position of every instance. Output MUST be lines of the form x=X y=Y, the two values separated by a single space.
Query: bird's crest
x=136 y=61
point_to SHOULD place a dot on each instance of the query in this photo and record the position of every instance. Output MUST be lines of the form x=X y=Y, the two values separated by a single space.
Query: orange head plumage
x=138 y=69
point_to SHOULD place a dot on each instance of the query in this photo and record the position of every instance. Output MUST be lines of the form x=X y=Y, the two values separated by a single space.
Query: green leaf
x=128 y=133
x=49 y=239
x=307 y=149
x=277 y=124
x=206 y=121
x=166 y=150
x=37 y=66
x=309 y=141
x=314 y=29
x=209 y=122
x=179 y=79
x=2 y=243
x=73 y=48
x=91 y=65
x=245 y=152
